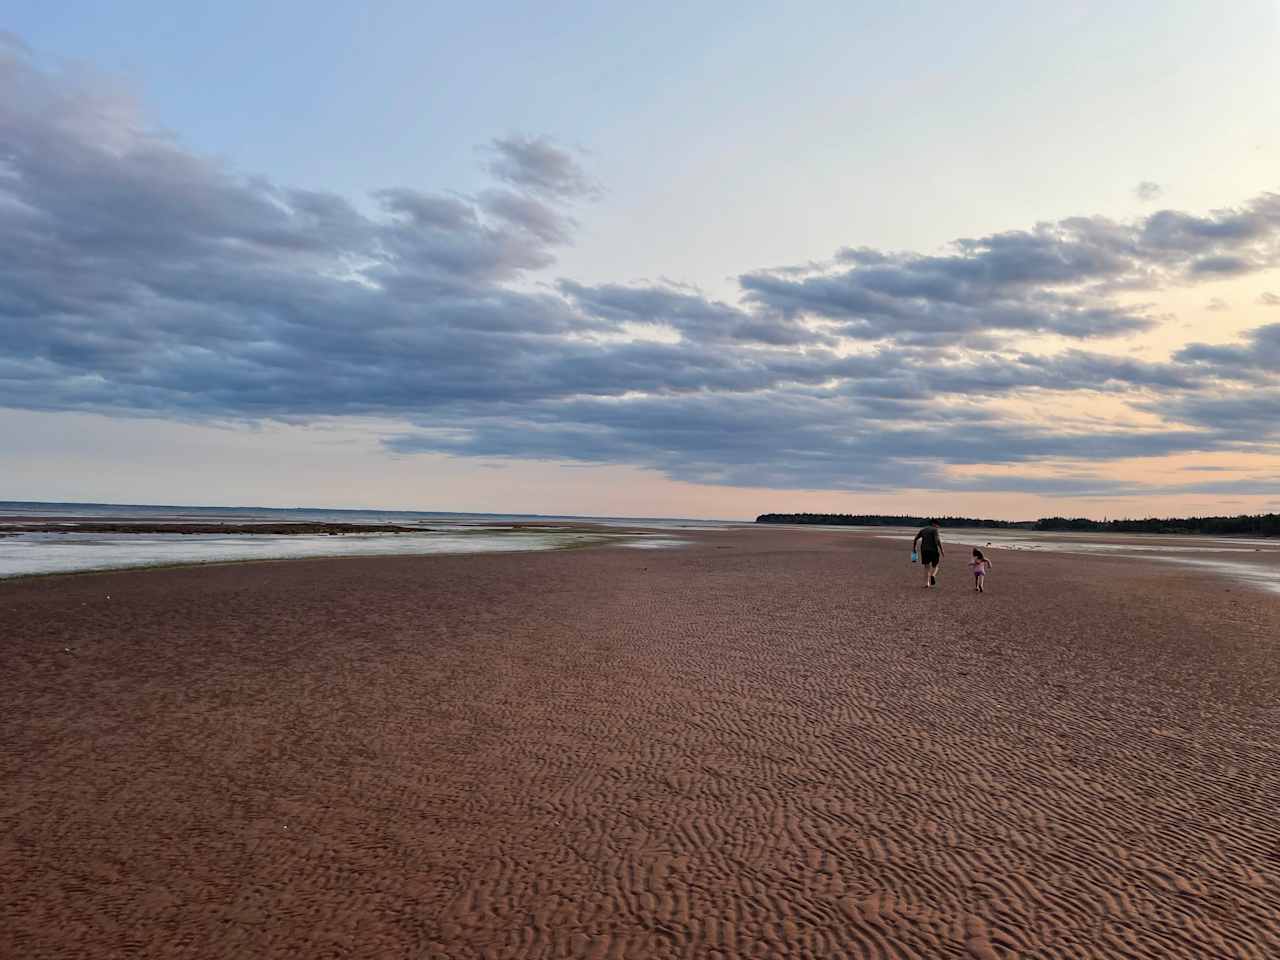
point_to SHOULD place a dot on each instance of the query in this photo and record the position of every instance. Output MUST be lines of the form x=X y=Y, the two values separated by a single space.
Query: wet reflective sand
x=44 y=553
x=1248 y=561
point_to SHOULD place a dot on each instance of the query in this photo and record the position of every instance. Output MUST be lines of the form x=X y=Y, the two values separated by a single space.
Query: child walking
x=979 y=565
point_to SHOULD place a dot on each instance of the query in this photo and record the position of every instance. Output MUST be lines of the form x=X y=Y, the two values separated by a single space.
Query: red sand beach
x=770 y=742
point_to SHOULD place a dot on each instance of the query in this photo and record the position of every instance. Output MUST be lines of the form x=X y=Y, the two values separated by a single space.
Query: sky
x=1000 y=259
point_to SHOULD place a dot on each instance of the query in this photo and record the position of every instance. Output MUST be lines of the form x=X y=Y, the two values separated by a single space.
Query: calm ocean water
x=25 y=554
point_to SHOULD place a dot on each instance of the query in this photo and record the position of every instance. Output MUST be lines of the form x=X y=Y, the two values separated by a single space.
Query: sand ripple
x=765 y=745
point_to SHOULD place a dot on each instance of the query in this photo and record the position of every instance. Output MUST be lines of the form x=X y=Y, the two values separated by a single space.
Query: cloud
x=537 y=165
x=688 y=312
x=1248 y=417
x=1222 y=265
x=1176 y=236
x=925 y=301
x=1268 y=299
x=1053 y=279
x=1217 y=305
x=141 y=279
x=779 y=439
x=527 y=213
x=1148 y=191
x=1258 y=357
x=14 y=43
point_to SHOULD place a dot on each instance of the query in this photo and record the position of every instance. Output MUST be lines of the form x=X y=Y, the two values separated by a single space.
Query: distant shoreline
x=1253 y=525
x=35 y=510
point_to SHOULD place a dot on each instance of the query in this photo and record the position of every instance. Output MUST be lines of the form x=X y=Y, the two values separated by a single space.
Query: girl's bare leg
x=981 y=578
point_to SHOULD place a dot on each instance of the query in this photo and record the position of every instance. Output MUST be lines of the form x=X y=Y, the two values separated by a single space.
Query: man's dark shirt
x=930 y=542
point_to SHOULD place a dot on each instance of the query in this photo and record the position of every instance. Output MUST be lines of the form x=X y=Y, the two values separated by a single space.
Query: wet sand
x=766 y=743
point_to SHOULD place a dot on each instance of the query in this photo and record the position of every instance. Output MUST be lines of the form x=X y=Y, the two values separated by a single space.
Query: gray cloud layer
x=142 y=280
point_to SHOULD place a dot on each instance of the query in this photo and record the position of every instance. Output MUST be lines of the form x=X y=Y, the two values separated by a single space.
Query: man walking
x=929 y=541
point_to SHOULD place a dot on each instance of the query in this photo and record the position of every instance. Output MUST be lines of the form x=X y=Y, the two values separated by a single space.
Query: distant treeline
x=879 y=520
x=1262 y=525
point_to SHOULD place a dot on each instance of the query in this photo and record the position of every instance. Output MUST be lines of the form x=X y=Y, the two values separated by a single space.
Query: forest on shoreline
x=1256 y=525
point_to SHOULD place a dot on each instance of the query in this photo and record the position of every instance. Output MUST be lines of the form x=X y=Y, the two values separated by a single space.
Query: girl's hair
x=978 y=553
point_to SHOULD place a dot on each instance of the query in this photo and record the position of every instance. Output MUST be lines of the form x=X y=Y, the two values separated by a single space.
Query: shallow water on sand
x=653 y=543
x=43 y=553
x=1255 y=562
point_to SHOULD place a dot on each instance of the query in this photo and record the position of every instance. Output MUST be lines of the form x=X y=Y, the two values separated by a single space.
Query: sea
x=28 y=554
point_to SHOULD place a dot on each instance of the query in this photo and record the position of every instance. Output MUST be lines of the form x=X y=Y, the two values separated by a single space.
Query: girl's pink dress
x=979 y=567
